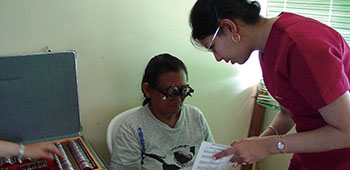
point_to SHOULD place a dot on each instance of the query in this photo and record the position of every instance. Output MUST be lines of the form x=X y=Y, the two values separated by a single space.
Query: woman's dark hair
x=158 y=65
x=206 y=14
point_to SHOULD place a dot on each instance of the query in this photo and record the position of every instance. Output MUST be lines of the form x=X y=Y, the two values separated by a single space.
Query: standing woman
x=306 y=68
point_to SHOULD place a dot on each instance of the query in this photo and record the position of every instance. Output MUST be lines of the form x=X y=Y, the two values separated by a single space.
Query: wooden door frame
x=255 y=122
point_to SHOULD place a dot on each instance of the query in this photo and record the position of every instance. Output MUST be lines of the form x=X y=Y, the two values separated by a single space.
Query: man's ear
x=229 y=25
x=146 y=89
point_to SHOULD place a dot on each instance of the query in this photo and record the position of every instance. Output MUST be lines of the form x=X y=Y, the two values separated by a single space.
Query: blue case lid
x=38 y=96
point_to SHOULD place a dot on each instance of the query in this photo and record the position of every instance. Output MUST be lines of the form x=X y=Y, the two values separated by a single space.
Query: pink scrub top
x=306 y=65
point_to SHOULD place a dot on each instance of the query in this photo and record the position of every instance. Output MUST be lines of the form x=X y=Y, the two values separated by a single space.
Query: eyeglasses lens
x=173 y=92
x=183 y=91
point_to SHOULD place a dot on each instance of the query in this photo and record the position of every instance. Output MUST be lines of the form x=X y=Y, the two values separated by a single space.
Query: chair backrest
x=114 y=125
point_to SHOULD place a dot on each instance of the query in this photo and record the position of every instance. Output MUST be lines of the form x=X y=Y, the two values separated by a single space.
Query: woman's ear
x=146 y=89
x=229 y=25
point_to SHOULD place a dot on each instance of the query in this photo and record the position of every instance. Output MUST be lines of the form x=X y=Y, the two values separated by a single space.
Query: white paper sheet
x=205 y=161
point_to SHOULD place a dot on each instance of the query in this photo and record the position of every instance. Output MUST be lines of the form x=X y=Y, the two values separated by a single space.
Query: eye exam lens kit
x=39 y=103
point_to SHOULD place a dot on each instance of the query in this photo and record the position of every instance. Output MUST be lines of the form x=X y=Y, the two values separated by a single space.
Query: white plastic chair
x=114 y=125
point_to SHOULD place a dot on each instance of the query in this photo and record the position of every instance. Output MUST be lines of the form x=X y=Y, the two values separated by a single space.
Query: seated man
x=164 y=133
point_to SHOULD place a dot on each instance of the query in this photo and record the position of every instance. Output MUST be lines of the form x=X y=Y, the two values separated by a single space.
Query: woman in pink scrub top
x=306 y=68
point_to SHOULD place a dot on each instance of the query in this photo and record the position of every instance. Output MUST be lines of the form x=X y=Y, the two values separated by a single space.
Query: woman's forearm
x=334 y=135
x=282 y=122
x=322 y=139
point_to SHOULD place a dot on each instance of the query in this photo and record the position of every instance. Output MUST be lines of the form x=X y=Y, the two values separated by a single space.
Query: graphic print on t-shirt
x=175 y=158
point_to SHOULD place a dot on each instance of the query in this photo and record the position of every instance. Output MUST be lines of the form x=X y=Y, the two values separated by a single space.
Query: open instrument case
x=39 y=103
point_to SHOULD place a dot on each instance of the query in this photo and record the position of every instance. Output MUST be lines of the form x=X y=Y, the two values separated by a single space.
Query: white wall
x=114 y=40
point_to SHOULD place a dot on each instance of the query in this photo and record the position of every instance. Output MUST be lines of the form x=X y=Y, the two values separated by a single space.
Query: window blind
x=334 y=13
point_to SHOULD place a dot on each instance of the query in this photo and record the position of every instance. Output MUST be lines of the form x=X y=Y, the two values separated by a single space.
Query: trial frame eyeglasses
x=174 y=91
x=212 y=39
